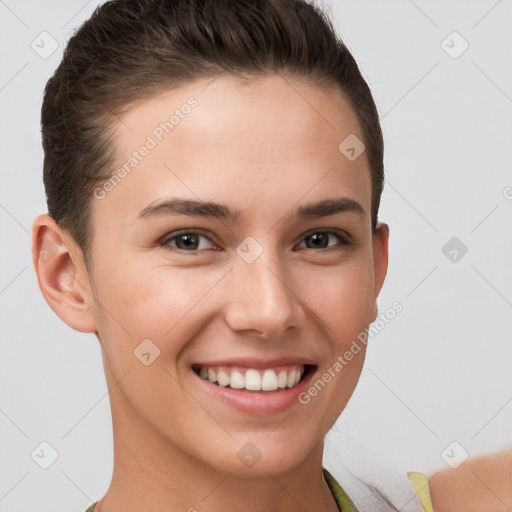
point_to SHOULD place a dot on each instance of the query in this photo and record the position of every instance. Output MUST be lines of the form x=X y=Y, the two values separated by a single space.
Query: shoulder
x=481 y=484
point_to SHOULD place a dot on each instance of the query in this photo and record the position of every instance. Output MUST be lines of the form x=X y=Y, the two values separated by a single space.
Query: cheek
x=171 y=305
x=341 y=297
x=161 y=304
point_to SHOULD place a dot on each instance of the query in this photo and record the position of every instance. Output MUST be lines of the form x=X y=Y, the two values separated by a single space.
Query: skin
x=482 y=484
x=263 y=147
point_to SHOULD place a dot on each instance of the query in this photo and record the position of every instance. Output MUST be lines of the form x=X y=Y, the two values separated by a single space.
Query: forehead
x=230 y=140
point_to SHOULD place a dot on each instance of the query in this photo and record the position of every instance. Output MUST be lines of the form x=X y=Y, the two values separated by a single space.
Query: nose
x=262 y=299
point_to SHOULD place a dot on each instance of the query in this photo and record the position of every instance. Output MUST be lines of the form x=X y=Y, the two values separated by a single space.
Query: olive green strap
x=345 y=504
x=420 y=483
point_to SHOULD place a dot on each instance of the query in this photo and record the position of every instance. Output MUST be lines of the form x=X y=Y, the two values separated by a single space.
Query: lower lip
x=254 y=403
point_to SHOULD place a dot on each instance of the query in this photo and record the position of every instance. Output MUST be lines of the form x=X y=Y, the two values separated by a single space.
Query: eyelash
x=341 y=235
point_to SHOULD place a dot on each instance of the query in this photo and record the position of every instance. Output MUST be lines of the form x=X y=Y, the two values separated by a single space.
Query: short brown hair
x=130 y=50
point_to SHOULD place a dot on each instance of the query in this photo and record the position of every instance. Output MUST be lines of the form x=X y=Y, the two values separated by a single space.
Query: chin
x=262 y=454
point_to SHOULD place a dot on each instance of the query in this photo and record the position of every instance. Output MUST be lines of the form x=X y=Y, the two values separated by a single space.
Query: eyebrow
x=197 y=208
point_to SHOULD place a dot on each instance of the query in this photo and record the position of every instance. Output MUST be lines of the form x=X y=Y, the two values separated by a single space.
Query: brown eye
x=321 y=239
x=187 y=241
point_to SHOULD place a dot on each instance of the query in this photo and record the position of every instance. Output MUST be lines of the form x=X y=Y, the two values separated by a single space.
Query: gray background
x=438 y=373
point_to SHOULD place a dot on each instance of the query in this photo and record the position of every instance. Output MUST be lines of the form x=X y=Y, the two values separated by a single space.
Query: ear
x=62 y=275
x=380 y=262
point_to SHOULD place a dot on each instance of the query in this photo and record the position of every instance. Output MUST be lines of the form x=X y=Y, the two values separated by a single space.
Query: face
x=237 y=248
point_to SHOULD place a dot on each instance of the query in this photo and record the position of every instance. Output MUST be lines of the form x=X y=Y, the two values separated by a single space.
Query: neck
x=151 y=473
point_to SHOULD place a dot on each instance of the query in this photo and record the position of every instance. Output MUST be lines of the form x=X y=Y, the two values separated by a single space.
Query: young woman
x=213 y=173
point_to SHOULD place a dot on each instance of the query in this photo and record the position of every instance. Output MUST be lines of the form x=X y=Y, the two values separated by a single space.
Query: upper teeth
x=253 y=379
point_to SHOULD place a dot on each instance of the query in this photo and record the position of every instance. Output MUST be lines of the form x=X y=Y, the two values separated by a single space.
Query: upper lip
x=251 y=362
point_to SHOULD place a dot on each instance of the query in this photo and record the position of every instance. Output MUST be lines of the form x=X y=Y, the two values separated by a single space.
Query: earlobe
x=61 y=274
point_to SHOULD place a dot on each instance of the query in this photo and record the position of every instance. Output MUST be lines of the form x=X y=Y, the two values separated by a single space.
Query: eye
x=320 y=239
x=189 y=241
x=192 y=240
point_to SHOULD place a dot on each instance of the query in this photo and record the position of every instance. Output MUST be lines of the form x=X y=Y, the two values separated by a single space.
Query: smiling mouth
x=269 y=380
